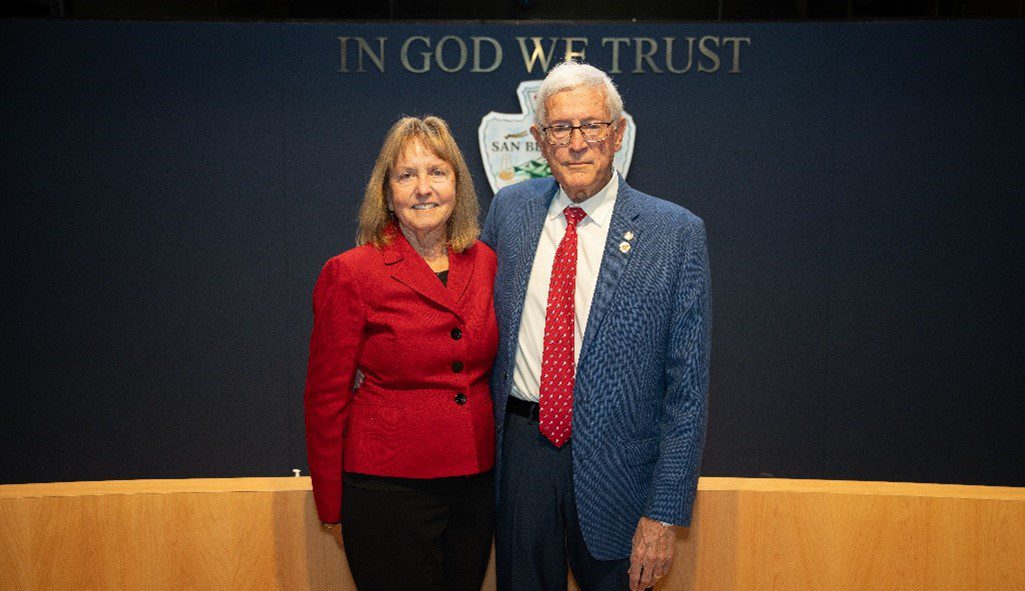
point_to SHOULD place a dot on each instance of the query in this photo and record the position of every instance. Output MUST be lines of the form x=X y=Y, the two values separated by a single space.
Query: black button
x=456 y=334
x=460 y=398
x=457 y=366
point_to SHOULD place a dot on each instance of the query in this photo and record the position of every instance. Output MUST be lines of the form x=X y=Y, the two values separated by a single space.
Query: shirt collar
x=598 y=207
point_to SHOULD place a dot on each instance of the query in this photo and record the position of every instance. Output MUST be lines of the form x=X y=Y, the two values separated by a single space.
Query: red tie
x=557 y=364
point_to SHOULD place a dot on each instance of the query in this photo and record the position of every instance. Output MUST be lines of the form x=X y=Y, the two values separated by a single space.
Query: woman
x=402 y=465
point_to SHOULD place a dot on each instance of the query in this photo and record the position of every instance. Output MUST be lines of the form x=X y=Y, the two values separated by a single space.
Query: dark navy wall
x=170 y=191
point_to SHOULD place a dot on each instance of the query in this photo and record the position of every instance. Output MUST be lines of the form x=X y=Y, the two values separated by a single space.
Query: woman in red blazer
x=402 y=464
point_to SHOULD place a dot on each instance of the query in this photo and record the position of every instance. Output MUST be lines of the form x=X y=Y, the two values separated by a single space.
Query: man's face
x=581 y=168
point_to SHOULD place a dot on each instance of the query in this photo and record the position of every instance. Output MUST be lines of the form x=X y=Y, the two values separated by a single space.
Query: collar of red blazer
x=409 y=268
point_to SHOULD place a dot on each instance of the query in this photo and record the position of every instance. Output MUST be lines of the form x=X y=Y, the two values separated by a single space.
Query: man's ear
x=536 y=132
x=539 y=139
x=620 y=131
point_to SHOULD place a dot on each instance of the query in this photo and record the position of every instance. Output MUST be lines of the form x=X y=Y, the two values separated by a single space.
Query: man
x=600 y=384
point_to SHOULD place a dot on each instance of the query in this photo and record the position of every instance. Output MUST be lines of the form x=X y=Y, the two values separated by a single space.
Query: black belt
x=527 y=410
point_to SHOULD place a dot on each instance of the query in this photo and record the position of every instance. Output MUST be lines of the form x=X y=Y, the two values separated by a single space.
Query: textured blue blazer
x=640 y=401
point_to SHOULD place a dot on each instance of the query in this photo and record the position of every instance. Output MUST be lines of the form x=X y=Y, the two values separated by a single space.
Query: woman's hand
x=335 y=529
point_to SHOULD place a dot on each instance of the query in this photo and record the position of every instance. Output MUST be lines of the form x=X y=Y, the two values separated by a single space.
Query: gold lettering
x=571 y=53
x=643 y=55
x=736 y=51
x=710 y=54
x=438 y=52
x=476 y=55
x=615 y=51
x=669 y=55
x=364 y=48
x=538 y=55
x=404 y=55
x=343 y=43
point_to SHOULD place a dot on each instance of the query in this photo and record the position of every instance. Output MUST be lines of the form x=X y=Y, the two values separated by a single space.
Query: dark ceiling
x=385 y=10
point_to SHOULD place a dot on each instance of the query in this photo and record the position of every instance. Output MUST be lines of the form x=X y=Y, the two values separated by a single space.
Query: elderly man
x=600 y=384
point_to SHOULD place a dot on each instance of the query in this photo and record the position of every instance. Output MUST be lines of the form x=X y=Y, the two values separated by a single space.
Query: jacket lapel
x=409 y=268
x=460 y=274
x=531 y=222
x=614 y=260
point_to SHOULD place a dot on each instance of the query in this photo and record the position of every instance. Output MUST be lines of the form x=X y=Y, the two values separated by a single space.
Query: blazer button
x=456 y=334
x=460 y=398
x=457 y=366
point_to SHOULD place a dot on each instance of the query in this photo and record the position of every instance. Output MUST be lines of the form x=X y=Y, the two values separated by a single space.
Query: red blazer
x=424 y=409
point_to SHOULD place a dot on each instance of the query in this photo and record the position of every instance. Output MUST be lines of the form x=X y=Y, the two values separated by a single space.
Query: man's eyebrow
x=583 y=121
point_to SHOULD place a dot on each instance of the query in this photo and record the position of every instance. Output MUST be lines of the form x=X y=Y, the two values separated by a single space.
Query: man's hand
x=652 y=553
x=335 y=529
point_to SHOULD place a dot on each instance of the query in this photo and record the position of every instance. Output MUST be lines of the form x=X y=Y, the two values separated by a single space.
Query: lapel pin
x=629 y=235
x=624 y=247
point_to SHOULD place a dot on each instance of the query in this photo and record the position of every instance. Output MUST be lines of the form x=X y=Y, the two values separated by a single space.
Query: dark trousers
x=434 y=537
x=537 y=528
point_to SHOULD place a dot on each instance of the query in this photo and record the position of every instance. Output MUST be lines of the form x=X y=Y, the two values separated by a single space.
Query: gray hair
x=569 y=75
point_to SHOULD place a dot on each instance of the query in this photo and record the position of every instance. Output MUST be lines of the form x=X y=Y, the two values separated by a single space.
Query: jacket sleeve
x=685 y=406
x=339 y=316
x=489 y=235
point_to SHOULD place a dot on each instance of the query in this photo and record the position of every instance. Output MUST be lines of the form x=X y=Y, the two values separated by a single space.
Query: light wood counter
x=748 y=534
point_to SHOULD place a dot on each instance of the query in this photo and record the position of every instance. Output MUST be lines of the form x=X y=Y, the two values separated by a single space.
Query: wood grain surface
x=748 y=534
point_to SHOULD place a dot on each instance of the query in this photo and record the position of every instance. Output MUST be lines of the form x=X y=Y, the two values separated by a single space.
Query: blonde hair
x=432 y=133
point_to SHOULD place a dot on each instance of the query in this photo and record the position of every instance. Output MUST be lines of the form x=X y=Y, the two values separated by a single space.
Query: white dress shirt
x=591 y=234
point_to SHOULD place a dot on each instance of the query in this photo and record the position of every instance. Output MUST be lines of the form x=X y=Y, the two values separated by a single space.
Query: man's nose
x=576 y=139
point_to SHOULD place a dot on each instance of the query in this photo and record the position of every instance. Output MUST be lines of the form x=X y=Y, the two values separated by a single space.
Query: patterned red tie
x=557 y=364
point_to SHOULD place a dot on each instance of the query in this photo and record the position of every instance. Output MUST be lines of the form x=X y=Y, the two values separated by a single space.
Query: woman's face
x=422 y=190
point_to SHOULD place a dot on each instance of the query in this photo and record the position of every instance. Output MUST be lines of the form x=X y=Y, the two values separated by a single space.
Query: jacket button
x=457 y=366
x=456 y=334
x=460 y=398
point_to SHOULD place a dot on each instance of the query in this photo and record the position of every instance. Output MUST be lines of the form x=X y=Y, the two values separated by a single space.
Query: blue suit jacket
x=640 y=400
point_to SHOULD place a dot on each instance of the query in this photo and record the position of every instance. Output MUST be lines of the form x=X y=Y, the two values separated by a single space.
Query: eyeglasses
x=560 y=135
